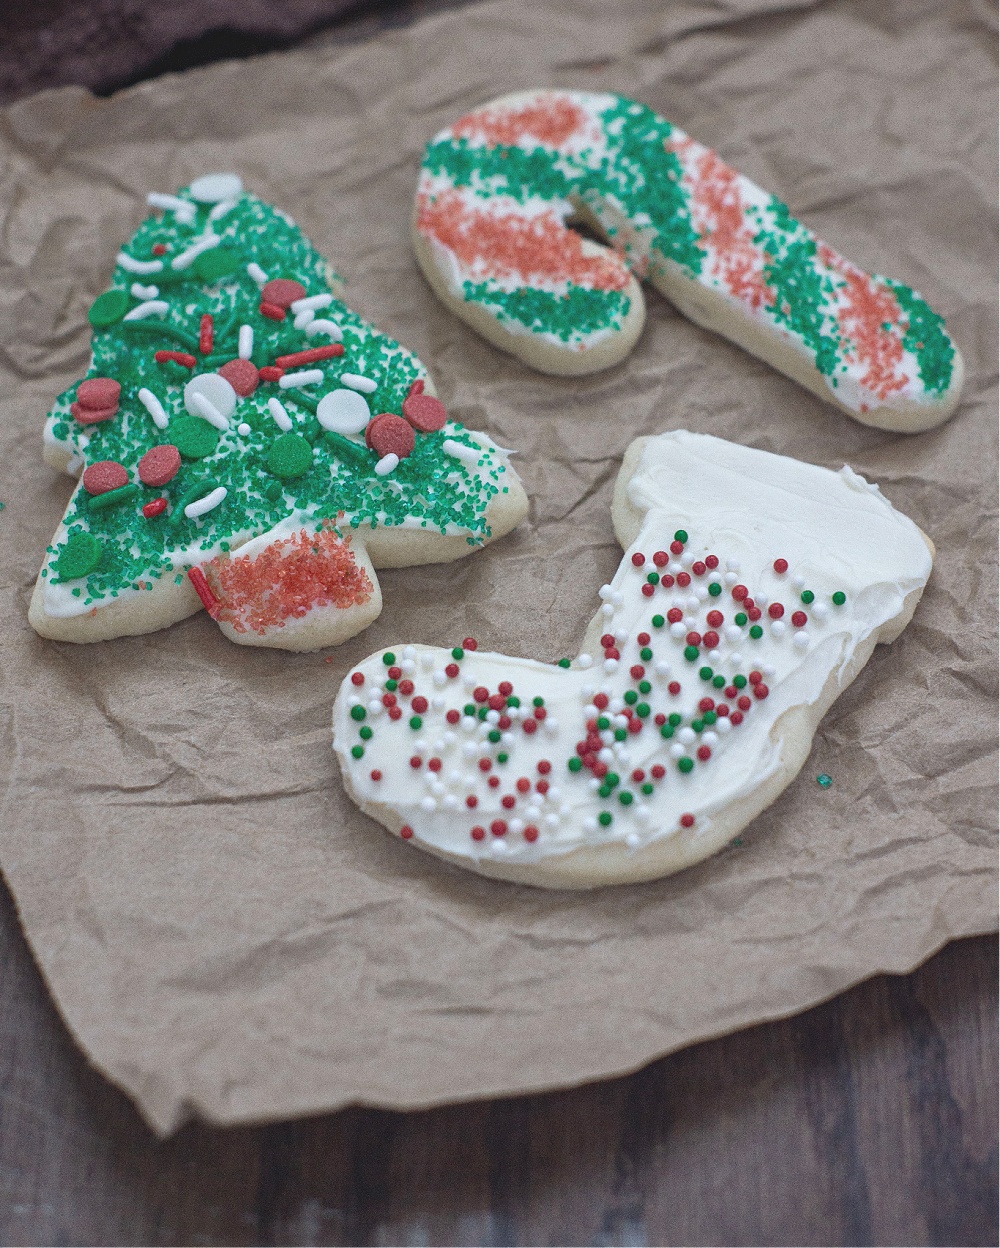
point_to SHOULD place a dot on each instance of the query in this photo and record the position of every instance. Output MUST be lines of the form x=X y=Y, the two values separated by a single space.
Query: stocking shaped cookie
x=498 y=187
x=753 y=590
x=246 y=443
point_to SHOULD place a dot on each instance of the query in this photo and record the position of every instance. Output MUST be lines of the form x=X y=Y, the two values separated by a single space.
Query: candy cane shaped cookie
x=753 y=590
x=248 y=444
x=498 y=187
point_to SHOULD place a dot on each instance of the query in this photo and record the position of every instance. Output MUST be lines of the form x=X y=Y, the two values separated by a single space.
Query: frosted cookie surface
x=497 y=188
x=752 y=591
x=247 y=443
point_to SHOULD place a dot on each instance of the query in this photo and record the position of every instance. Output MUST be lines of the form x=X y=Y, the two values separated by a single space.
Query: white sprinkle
x=604 y=593
x=701 y=593
x=209 y=411
x=388 y=463
x=661 y=668
x=733 y=632
x=617 y=597
x=723 y=725
x=303 y=319
x=632 y=840
x=610 y=665
x=428 y=804
x=621 y=636
x=190 y=254
x=243 y=430
x=151 y=307
x=279 y=415
x=357 y=382
x=170 y=203
x=801 y=640
x=458 y=450
x=678 y=630
x=245 y=348
x=710 y=738
x=687 y=558
x=155 y=408
x=408 y=667
x=768 y=669
x=730 y=579
x=211 y=188
x=215 y=388
x=256 y=273
x=584 y=661
x=798 y=582
x=607 y=610
x=733 y=565
x=325 y=327
x=144 y=292
x=343 y=411
x=375 y=707
x=222 y=209
x=777 y=628
x=714 y=656
x=736 y=659
x=551 y=725
x=606 y=756
x=686 y=736
x=307 y=377
x=516 y=826
x=312 y=303
x=760 y=600
x=450 y=802
x=202 y=505
x=590 y=823
x=676 y=751
x=820 y=610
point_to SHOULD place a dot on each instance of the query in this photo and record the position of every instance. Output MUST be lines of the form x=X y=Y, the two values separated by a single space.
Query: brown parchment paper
x=223 y=932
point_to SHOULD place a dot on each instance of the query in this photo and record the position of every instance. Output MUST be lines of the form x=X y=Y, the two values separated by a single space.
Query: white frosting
x=747 y=507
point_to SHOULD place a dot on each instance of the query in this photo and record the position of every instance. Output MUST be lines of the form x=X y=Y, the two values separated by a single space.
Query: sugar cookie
x=752 y=591
x=220 y=437
x=497 y=188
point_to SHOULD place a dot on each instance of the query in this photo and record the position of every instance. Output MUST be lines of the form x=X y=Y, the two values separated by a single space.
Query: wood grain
x=869 y=1120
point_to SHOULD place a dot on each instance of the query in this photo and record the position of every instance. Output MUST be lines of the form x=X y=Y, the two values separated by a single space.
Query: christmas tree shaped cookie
x=247 y=443
x=753 y=590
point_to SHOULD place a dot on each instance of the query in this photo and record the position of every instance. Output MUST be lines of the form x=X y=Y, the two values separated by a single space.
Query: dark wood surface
x=869 y=1120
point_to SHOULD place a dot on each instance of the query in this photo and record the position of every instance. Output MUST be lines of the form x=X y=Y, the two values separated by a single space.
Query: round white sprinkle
x=736 y=659
x=761 y=600
x=632 y=841
x=356 y=382
x=777 y=628
x=213 y=188
x=798 y=582
x=723 y=725
x=686 y=736
x=733 y=632
x=768 y=669
x=428 y=804
x=730 y=579
x=610 y=665
x=661 y=668
x=801 y=640
x=215 y=389
x=343 y=411
x=820 y=610
x=244 y=430
x=678 y=630
x=676 y=751
x=155 y=408
x=202 y=505
x=714 y=656
x=408 y=667
x=607 y=610
x=604 y=592
x=584 y=661
x=606 y=756
x=387 y=464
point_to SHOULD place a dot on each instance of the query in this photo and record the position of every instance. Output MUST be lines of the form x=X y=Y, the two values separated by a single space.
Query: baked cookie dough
x=753 y=590
x=498 y=188
x=246 y=443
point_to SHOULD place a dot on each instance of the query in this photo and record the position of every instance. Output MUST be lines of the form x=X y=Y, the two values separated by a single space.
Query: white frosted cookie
x=498 y=187
x=247 y=443
x=752 y=591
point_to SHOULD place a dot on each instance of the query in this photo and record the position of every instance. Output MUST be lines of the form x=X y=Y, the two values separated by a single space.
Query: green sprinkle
x=366 y=733
x=358 y=713
x=631 y=697
x=685 y=765
x=645 y=686
x=674 y=720
x=658 y=621
x=216 y=263
x=289 y=456
x=564 y=663
x=740 y=682
x=823 y=780
x=709 y=718
x=469 y=709
x=537 y=701
x=647 y=788
x=642 y=710
x=108 y=308
x=416 y=722
x=502 y=758
x=621 y=734
x=691 y=653
x=392 y=685
x=705 y=673
x=357 y=751
x=605 y=818
x=79 y=557
x=458 y=653
x=113 y=498
x=194 y=438
x=715 y=589
x=513 y=700
x=626 y=798
x=645 y=654
x=603 y=723
x=653 y=578
x=719 y=682
x=756 y=632
x=740 y=618
x=807 y=596
x=697 y=725
x=839 y=598
x=494 y=735
x=575 y=764
x=680 y=536
x=666 y=731
x=389 y=658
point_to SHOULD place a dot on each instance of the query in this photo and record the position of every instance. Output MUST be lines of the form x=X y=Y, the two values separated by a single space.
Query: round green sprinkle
x=575 y=764
x=216 y=263
x=823 y=780
x=666 y=731
x=631 y=697
x=680 y=536
x=416 y=722
x=194 y=438
x=645 y=686
x=513 y=700
x=494 y=735
x=357 y=751
x=79 y=557
x=756 y=632
x=740 y=618
x=626 y=798
x=653 y=578
x=365 y=733
x=719 y=682
x=691 y=653
x=108 y=308
x=807 y=596
x=564 y=663
x=839 y=598
x=645 y=654
x=621 y=734
x=502 y=758
x=469 y=708
x=658 y=621
x=603 y=791
x=674 y=720
x=604 y=818
x=705 y=673
x=715 y=589
x=642 y=710
x=647 y=788
x=458 y=653
x=483 y=712
x=358 y=713
x=709 y=718
x=392 y=685
x=537 y=701
x=603 y=723
x=289 y=456
x=685 y=765
x=740 y=682
x=388 y=658
x=697 y=725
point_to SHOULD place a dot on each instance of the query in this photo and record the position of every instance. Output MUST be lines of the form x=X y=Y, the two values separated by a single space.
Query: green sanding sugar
x=194 y=438
x=289 y=456
x=79 y=557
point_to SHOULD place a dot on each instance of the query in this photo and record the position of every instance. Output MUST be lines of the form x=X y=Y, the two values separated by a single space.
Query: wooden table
x=869 y=1120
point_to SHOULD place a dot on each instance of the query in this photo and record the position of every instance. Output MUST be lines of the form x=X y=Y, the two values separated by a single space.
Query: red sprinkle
x=98 y=393
x=780 y=566
x=271 y=373
x=420 y=705
x=744 y=704
x=272 y=311
x=159 y=249
x=776 y=610
x=472 y=801
x=496 y=702
x=530 y=726
x=754 y=614
x=406 y=831
x=92 y=415
x=468 y=643
x=104 y=476
x=204 y=592
x=523 y=785
x=498 y=827
x=416 y=387
x=542 y=787
x=544 y=767
x=675 y=615
x=704 y=753
x=648 y=590
x=674 y=688
x=687 y=821
x=494 y=782
x=178 y=357
x=478 y=833
x=387 y=434
x=755 y=677
x=761 y=691
x=699 y=568
x=388 y=699
x=358 y=678
x=540 y=712
x=638 y=775
x=638 y=560
x=312 y=356
x=406 y=687
x=376 y=775
x=683 y=579
x=485 y=764
x=693 y=639
x=800 y=619
x=706 y=704
x=425 y=413
x=736 y=718
x=714 y=618
x=242 y=375
x=395 y=712
x=661 y=558
x=676 y=548
x=722 y=710
x=506 y=688
x=601 y=701
x=395 y=672
x=283 y=292
x=740 y=592
x=711 y=640
x=206 y=334
x=416 y=762
x=531 y=833
x=637 y=672
x=480 y=693
x=453 y=717
x=159 y=465
x=155 y=508
x=712 y=561
x=658 y=772
x=643 y=639
x=434 y=764
x=451 y=670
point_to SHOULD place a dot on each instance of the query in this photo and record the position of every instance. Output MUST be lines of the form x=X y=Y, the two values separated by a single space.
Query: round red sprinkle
x=388 y=699
x=715 y=618
x=612 y=653
x=159 y=465
x=542 y=787
x=544 y=766
x=498 y=827
x=740 y=592
x=358 y=678
x=531 y=833
x=638 y=560
x=776 y=610
x=683 y=580
x=722 y=710
x=699 y=568
x=693 y=639
x=674 y=688
x=755 y=677
x=394 y=672
x=730 y=691
x=761 y=691
x=453 y=717
x=712 y=561
x=800 y=619
x=470 y=643
x=599 y=769
x=376 y=775
x=687 y=821
x=478 y=833
x=780 y=565
x=753 y=613
x=451 y=670
x=706 y=704
x=711 y=640
x=638 y=775
x=744 y=703
x=419 y=705
x=637 y=672
x=494 y=782
x=504 y=722
x=704 y=753
x=661 y=558
x=657 y=772
x=643 y=639
x=105 y=475
x=496 y=702
x=506 y=688
x=540 y=712
x=406 y=831
x=159 y=249
x=530 y=726
x=425 y=413
x=387 y=434
x=601 y=701
x=395 y=712
x=748 y=604
x=416 y=761
x=485 y=764
x=283 y=292
x=434 y=763
x=98 y=393
x=736 y=718
x=648 y=590
x=271 y=372
x=675 y=615
x=472 y=801
x=635 y=725
x=406 y=687
x=523 y=785
x=480 y=693
x=242 y=375
x=676 y=548
x=667 y=581
x=659 y=720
